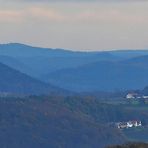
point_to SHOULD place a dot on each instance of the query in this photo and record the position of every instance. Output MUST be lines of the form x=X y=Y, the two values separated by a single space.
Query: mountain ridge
x=93 y=70
x=13 y=81
x=104 y=76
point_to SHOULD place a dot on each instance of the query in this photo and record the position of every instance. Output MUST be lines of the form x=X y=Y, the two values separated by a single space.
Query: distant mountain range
x=104 y=76
x=39 y=62
x=74 y=71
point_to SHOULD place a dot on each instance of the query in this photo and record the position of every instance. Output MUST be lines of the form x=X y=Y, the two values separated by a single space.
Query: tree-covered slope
x=130 y=145
x=56 y=121
x=13 y=81
x=48 y=122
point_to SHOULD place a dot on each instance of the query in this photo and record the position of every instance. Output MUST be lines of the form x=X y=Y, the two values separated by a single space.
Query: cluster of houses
x=135 y=123
x=129 y=124
x=137 y=98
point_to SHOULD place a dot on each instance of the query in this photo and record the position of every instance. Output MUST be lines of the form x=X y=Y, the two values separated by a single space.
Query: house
x=121 y=125
x=129 y=124
x=145 y=97
x=131 y=95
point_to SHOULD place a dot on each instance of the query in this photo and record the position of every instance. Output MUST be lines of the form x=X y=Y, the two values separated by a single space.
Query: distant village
x=133 y=98
x=128 y=124
x=137 y=98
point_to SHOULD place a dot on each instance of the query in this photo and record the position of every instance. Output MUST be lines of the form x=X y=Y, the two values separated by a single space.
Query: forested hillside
x=52 y=121
x=132 y=145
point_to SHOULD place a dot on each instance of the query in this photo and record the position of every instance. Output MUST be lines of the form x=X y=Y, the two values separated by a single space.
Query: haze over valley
x=77 y=71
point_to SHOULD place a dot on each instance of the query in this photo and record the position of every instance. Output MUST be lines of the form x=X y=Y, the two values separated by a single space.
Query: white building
x=145 y=97
x=131 y=95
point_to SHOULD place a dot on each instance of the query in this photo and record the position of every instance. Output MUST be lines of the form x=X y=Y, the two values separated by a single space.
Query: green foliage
x=131 y=145
x=52 y=121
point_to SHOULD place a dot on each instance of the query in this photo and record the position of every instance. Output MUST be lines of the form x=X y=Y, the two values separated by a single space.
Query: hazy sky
x=75 y=24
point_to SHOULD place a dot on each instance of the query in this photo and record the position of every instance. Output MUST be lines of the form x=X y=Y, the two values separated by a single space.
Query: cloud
x=10 y=16
x=27 y=14
x=78 y=14
x=45 y=14
x=75 y=25
x=90 y=15
x=69 y=1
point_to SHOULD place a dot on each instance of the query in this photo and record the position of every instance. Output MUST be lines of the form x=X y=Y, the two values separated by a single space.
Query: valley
x=73 y=74
x=72 y=99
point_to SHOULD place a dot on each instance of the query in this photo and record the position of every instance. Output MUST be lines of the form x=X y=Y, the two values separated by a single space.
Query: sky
x=75 y=24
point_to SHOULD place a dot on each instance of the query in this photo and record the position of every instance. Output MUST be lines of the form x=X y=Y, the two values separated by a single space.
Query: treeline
x=130 y=145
